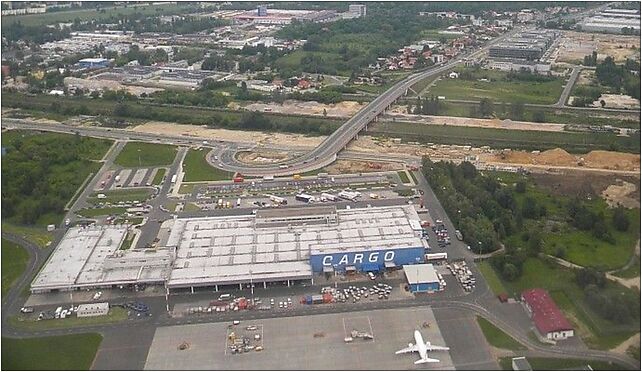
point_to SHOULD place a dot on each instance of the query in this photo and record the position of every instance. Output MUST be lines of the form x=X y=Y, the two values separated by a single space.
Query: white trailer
x=277 y=199
x=436 y=256
x=329 y=197
x=173 y=179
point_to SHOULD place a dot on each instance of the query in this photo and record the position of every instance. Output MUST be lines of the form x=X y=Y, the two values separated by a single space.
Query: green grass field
x=403 y=176
x=491 y=277
x=293 y=60
x=198 y=169
x=498 y=90
x=14 y=261
x=497 y=337
x=71 y=352
x=573 y=142
x=37 y=235
x=89 y=14
x=94 y=212
x=115 y=196
x=553 y=364
x=158 y=177
x=141 y=154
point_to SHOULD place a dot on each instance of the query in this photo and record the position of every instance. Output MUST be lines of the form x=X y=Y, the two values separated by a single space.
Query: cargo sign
x=357 y=258
x=340 y=260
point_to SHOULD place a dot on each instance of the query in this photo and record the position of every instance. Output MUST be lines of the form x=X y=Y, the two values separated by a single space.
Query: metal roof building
x=274 y=245
x=287 y=244
x=548 y=319
x=421 y=278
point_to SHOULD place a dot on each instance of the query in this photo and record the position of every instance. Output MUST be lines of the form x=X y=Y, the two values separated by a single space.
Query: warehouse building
x=548 y=319
x=284 y=245
x=526 y=45
x=97 y=309
x=421 y=278
x=89 y=257
x=291 y=244
x=93 y=63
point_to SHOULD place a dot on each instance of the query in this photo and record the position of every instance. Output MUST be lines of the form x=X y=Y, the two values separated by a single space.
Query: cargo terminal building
x=284 y=245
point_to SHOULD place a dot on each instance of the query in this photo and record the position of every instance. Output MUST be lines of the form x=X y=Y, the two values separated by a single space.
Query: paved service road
x=569 y=86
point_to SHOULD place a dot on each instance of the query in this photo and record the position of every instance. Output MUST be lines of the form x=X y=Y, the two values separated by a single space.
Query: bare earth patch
x=351 y=166
x=558 y=157
x=575 y=45
x=262 y=157
x=620 y=194
x=258 y=138
x=339 y=110
x=398 y=113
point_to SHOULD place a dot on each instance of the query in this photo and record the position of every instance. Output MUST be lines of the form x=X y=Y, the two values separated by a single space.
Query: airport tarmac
x=468 y=347
x=290 y=343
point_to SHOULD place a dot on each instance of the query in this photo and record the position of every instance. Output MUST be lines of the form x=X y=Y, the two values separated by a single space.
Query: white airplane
x=422 y=348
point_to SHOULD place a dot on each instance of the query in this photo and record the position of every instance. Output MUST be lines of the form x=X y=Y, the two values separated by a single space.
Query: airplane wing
x=409 y=349
x=427 y=360
x=430 y=347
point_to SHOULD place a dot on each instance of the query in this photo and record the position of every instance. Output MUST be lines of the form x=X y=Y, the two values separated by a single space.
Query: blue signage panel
x=340 y=260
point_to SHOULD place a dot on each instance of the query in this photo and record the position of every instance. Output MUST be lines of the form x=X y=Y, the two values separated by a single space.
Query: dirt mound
x=612 y=160
x=556 y=157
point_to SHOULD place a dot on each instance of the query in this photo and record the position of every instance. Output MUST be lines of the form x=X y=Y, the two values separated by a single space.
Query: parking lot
x=303 y=343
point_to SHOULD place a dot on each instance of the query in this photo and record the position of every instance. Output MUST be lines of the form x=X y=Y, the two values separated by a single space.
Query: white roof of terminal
x=224 y=249
x=78 y=259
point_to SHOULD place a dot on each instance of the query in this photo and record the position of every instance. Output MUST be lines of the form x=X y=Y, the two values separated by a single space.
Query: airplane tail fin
x=427 y=360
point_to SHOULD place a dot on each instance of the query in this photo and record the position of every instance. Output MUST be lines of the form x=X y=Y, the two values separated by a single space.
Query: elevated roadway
x=327 y=151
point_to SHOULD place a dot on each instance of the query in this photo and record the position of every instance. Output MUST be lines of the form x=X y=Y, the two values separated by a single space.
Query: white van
x=225 y=297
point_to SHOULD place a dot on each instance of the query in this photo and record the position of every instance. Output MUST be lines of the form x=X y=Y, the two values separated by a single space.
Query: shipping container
x=268 y=178
x=238 y=179
x=317 y=299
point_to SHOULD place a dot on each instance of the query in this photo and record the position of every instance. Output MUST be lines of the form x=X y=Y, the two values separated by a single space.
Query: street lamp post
x=480 y=244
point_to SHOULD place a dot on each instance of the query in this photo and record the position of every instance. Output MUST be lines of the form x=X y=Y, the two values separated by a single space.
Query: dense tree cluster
x=619 y=307
x=40 y=174
x=584 y=218
x=349 y=45
x=428 y=106
x=618 y=77
x=38 y=34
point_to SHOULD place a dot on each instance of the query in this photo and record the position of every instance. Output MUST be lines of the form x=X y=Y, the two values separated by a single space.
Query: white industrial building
x=97 y=309
x=275 y=245
x=613 y=21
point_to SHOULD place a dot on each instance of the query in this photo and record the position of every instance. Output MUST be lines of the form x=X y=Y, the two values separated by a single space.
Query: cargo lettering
x=358 y=258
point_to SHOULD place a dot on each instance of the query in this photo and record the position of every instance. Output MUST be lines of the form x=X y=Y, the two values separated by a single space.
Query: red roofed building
x=548 y=319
